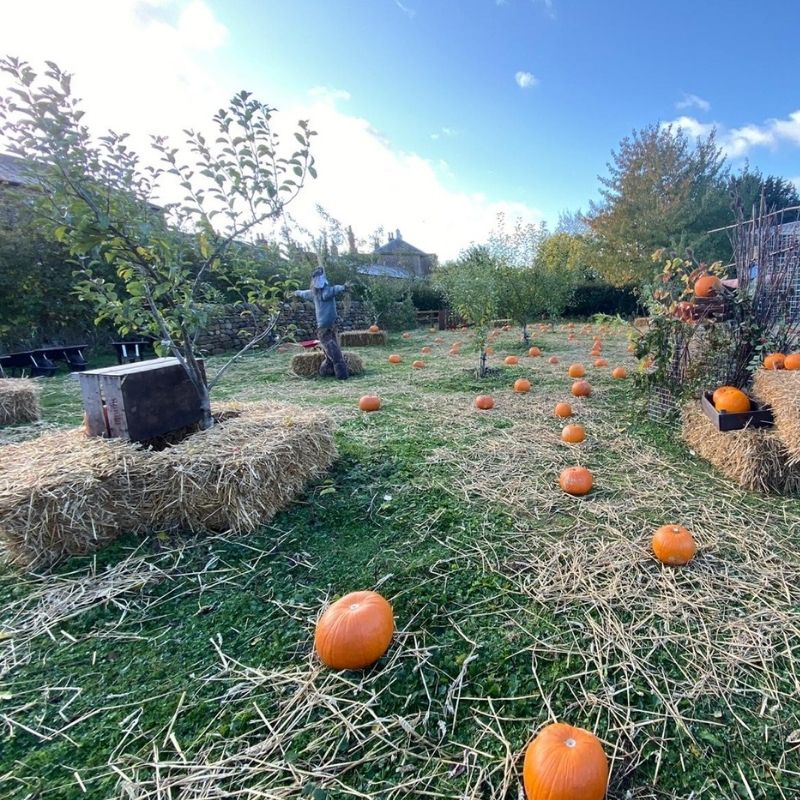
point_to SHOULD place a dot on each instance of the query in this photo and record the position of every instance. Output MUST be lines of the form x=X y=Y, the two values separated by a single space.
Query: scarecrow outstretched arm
x=303 y=294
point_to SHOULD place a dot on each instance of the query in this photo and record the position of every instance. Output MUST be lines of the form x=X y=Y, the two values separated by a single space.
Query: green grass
x=101 y=688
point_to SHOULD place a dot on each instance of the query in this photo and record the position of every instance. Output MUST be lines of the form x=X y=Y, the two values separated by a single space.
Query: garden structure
x=501 y=602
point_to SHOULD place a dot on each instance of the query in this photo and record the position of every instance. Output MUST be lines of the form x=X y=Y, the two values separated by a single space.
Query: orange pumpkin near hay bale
x=576 y=481
x=19 y=401
x=355 y=631
x=730 y=400
x=374 y=329
x=673 y=545
x=369 y=402
x=775 y=361
x=565 y=763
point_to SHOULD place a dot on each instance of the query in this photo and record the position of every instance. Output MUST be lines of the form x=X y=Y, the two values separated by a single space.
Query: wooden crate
x=139 y=401
x=759 y=416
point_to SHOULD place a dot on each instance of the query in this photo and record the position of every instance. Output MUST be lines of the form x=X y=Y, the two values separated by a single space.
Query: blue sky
x=436 y=114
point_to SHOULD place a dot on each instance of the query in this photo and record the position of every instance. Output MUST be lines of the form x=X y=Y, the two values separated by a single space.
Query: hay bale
x=238 y=474
x=755 y=458
x=64 y=494
x=307 y=365
x=362 y=338
x=780 y=389
x=19 y=401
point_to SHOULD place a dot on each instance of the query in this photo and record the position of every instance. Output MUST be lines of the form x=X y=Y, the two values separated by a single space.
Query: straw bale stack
x=306 y=365
x=780 y=389
x=755 y=458
x=19 y=401
x=362 y=338
x=64 y=494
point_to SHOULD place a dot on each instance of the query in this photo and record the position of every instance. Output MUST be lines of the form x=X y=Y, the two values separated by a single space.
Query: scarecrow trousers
x=333 y=363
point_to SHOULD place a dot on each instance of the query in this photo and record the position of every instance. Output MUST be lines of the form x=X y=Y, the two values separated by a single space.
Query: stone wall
x=230 y=329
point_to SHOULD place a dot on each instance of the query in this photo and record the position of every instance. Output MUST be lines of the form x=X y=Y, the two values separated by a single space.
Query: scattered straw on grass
x=362 y=338
x=306 y=365
x=780 y=389
x=753 y=457
x=19 y=401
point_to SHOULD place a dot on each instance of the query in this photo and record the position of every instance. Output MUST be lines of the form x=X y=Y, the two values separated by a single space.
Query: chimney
x=397 y=234
x=391 y=236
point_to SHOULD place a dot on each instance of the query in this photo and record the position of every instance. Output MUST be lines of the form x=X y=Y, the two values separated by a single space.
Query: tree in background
x=660 y=191
x=471 y=286
x=99 y=202
x=747 y=187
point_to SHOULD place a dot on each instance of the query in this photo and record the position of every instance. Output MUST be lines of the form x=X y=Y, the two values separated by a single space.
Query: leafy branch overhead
x=153 y=241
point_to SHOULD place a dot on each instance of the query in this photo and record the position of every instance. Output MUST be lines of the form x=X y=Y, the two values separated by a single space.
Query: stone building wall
x=229 y=329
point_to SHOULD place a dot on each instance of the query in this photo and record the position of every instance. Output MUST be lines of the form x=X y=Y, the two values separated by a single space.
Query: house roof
x=383 y=271
x=12 y=170
x=399 y=247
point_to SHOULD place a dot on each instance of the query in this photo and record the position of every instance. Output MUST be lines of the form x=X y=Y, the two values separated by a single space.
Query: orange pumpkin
x=601 y=362
x=355 y=631
x=426 y=349
x=571 y=325
x=576 y=481
x=511 y=361
x=534 y=352
x=571 y=337
x=374 y=329
x=418 y=364
x=522 y=385
x=394 y=358
x=631 y=348
x=552 y=360
x=573 y=434
x=673 y=545
x=406 y=336
x=369 y=402
x=576 y=371
x=565 y=763
x=707 y=286
x=792 y=361
x=619 y=373
x=484 y=402
x=563 y=410
x=581 y=389
x=454 y=351
x=731 y=400
x=775 y=361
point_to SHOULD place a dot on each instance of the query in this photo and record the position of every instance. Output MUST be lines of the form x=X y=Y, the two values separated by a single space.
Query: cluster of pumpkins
x=563 y=761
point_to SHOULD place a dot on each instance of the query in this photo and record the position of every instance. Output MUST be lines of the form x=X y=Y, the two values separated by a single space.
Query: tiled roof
x=12 y=170
x=383 y=270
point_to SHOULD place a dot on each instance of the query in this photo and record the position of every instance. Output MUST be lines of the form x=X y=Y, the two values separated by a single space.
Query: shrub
x=594 y=297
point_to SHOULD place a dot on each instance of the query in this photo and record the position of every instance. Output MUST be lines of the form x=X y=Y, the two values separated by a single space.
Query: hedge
x=602 y=298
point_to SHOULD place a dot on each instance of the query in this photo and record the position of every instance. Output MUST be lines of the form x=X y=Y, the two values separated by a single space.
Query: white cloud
x=693 y=101
x=738 y=142
x=445 y=133
x=548 y=6
x=525 y=80
x=165 y=75
x=407 y=10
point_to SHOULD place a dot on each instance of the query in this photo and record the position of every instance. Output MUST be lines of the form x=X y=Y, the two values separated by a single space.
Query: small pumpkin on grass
x=565 y=763
x=552 y=360
x=370 y=402
x=418 y=364
x=406 y=336
x=522 y=385
x=489 y=351
x=576 y=481
x=563 y=410
x=426 y=349
x=601 y=362
x=573 y=434
x=619 y=373
x=581 y=389
x=355 y=631
x=484 y=402
x=534 y=352
x=673 y=545
x=511 y=361
x=576 y=371
x=394 y=358
x=775 y=361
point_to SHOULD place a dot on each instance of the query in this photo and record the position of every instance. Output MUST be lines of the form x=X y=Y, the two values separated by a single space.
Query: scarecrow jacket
x=324 y=303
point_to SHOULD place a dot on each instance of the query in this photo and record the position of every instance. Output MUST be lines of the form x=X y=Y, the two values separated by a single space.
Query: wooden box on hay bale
x=759 y=416
x=139 y=401
x=755 y=458
x=780 y=388
x=306 y=365
x=362 y=338
x=19 y=401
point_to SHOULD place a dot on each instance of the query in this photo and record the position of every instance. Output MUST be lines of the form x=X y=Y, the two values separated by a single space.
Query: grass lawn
x=181 y=667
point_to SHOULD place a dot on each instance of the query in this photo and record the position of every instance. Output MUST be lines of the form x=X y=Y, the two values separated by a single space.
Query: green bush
x=426 y=296
x=601 y=298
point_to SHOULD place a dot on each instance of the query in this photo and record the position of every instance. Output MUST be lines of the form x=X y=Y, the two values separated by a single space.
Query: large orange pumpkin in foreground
x=576 y=371
x=673 y=545
x=369 y=402
x=565 y=763
x=581 y=389
x=775 y=361
x=374 y=329
x=563 y=410
x=573 y=434
x=484 y=402
x=511 y=361
x=576 y=481
x=522 y=385
x=707 y=286
x=792 y=361
x=355 y=631
x=394 y=358
x=731 y=400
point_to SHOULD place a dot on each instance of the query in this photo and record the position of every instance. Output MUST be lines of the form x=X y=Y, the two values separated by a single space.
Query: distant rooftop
x=12 y=170
x=398 y=246
x=383 y=271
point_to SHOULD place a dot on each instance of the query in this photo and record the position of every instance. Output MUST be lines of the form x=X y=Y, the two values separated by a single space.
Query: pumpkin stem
x=570 y=743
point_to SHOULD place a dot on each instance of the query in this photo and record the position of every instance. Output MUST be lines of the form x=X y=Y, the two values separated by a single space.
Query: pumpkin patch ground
x=184 y=666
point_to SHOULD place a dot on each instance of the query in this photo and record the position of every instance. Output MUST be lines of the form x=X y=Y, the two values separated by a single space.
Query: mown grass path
x=176 y=667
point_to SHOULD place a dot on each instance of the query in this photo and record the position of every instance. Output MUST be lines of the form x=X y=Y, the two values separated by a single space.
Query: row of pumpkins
x=563 y=762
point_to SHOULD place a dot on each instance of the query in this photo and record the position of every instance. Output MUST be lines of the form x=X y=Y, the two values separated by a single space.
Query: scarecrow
x=324 y=297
